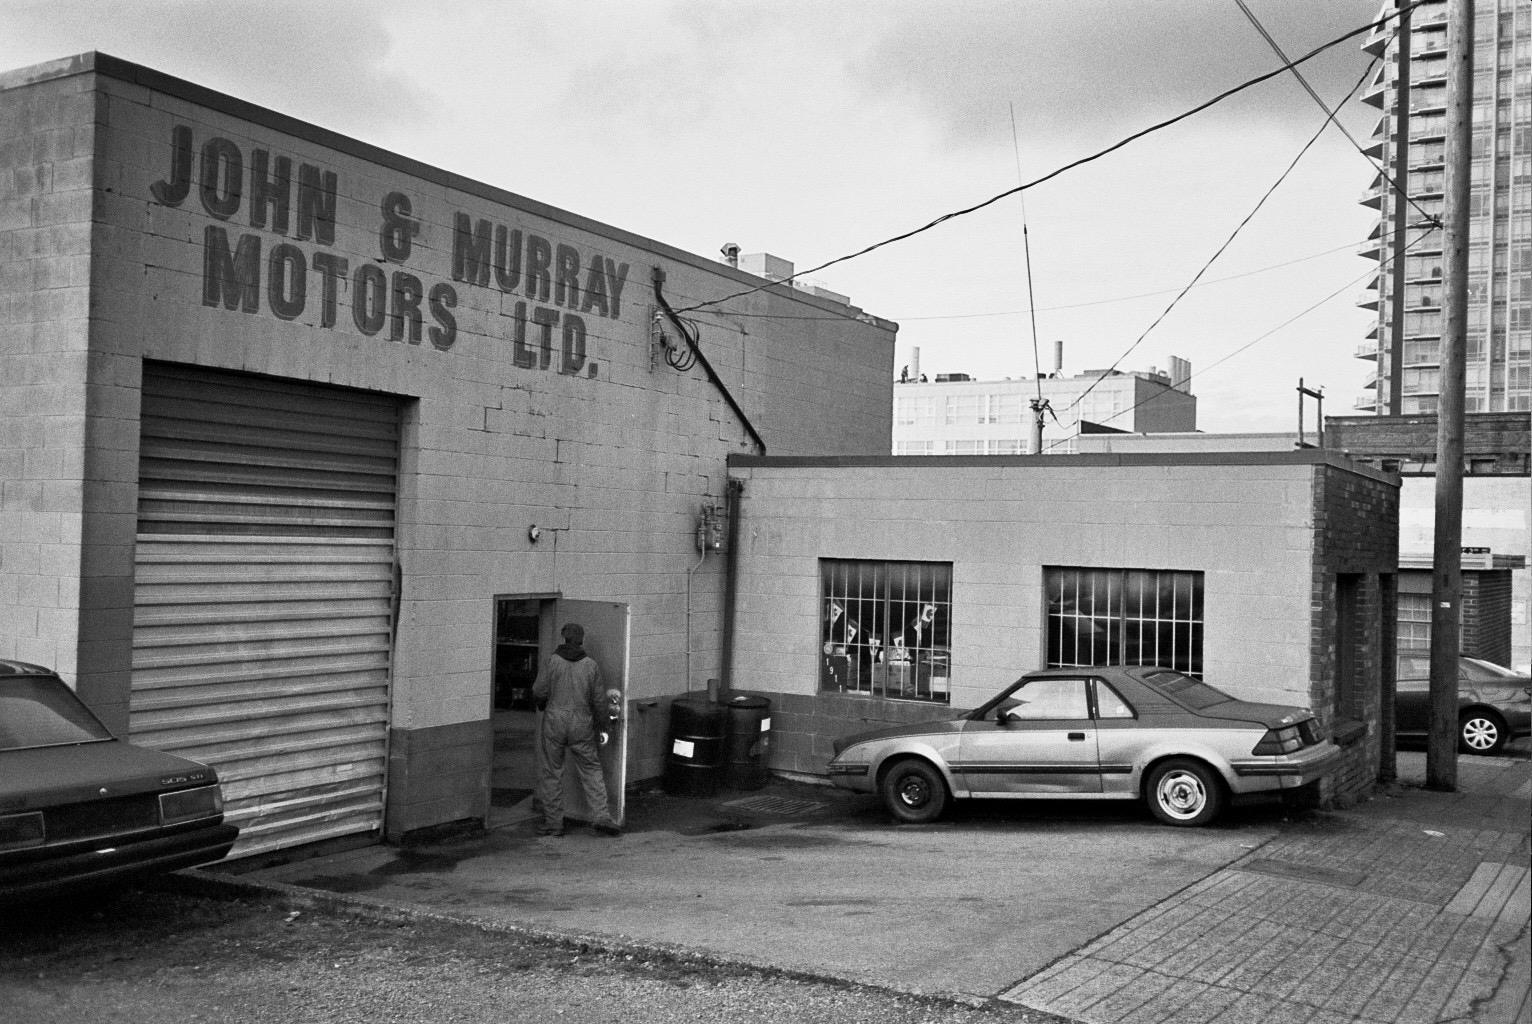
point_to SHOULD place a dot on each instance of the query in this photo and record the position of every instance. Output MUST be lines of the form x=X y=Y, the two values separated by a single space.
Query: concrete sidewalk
x=1408 y=907
x=1411 y=907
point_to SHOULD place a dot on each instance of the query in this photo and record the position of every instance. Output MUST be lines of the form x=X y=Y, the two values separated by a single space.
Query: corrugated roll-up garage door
x=263 y=604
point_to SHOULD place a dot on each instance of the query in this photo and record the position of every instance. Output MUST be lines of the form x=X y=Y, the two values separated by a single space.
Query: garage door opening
x=264 y=595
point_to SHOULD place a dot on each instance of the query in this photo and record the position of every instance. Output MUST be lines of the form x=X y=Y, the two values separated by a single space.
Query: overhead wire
x=1049 y=309
x=1378 y=165
x=1329 y=119
x=1426 y=230
x=1226 y=94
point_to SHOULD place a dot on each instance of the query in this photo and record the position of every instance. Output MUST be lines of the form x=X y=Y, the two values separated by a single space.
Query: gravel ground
x=178 y=951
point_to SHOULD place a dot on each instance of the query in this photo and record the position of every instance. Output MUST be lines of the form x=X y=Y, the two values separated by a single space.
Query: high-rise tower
x=1499 y=343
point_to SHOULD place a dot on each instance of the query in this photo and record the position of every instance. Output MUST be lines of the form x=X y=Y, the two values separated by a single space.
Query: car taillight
x=1280 y=741
x=18 y=831
x=189 y=804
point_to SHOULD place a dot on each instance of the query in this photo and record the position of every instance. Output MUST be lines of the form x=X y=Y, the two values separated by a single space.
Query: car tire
x=1481 y=732
x=1184 y=792
x=914 y=792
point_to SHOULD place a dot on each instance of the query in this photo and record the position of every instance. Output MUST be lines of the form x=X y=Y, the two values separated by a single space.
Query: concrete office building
x=306 y=448
x=1499 y=353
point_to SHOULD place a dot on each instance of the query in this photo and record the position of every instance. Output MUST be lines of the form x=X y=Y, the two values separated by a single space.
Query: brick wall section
x=1356 y=531
x=47 y=140
x=1502 y=436
x=1487 y=615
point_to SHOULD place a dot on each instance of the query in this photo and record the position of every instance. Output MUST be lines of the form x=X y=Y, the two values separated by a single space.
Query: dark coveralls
x=570 y=694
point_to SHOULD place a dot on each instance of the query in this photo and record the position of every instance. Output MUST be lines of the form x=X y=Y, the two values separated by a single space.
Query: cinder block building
x=880 y=591
x=306 y=447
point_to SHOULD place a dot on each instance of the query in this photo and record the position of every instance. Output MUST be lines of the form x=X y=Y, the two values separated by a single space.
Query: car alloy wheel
x=1481 y=733
x=1184 y=792
x=914 y=792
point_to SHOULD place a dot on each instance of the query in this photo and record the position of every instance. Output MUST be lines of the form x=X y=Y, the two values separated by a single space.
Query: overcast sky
x=813 y=129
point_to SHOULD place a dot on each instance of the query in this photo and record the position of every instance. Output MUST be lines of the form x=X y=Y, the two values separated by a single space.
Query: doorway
x=526 y=634
x=523 y=632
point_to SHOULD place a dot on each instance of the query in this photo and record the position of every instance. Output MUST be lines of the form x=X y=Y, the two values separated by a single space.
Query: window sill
x=1346 y=731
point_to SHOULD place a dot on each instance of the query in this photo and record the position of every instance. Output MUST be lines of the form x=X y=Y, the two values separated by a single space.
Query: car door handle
x=1077 y=736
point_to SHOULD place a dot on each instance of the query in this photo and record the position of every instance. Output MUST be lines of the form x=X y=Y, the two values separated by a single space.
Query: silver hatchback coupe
x=1103 y=733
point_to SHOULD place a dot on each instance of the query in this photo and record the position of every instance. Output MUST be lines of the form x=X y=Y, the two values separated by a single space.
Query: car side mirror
x=1002 y=718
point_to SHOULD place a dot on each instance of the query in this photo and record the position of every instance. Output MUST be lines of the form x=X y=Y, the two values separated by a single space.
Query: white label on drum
x=765 y=725
x=683 y=748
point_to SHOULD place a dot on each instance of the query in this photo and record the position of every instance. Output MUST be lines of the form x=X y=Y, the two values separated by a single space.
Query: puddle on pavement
x=715 y=827
x=777 y=840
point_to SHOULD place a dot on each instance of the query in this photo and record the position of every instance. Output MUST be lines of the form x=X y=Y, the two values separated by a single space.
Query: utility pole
x=1399 y=200
x=1447 y=555
x=1040 y=409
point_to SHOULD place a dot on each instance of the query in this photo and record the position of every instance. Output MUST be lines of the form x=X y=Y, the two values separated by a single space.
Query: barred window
x=1124 y=617
x=885 y=628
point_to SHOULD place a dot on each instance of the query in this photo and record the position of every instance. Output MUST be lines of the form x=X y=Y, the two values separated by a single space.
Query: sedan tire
x=914 y=792
x=1184 y=792
x=1481 y=732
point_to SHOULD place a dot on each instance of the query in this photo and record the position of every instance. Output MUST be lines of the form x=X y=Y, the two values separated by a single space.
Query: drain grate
x=779 y=805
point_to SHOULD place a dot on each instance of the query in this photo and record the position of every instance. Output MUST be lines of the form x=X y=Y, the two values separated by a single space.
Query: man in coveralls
x=568 y=691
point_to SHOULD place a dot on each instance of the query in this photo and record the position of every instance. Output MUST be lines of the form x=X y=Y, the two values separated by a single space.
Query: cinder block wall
x=1248 y=522
x=613 y=460
x=47 y=144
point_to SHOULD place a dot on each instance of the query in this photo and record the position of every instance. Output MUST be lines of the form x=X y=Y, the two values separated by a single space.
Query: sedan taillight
x=1279 y=741
x=190 y=804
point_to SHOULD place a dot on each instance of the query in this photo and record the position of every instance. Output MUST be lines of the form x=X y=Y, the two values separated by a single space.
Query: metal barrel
x=748 y=743
x=694 y=765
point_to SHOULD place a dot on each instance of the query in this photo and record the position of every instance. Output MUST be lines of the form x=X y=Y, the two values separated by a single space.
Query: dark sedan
x=1103 y=733
x=80 y=808
x=1494 y=703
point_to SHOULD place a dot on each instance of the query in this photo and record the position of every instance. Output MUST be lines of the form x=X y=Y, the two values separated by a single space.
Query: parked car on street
x=1104 y=733
x=80 y=808
x=1494 y=703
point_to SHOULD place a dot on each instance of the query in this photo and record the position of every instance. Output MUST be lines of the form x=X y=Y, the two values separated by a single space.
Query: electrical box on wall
x=709 y=530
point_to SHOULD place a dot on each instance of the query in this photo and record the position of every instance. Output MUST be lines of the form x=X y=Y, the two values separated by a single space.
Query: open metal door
x=606 y=640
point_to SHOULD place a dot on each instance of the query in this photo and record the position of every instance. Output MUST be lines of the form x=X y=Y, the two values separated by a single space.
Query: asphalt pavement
x=1410 y=906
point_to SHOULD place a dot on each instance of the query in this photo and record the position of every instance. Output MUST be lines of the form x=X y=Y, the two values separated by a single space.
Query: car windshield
x=1194 y=693
x=1476 y=670
x=43 y=713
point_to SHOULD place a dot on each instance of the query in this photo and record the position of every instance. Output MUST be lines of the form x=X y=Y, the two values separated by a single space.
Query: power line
x=1343 y=130
x=1426 y=228
x=1329 y=117
x=1049 y=309
x=1066 y=167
